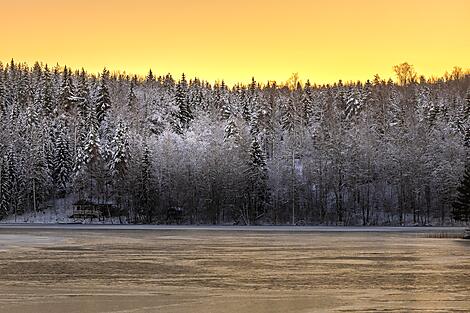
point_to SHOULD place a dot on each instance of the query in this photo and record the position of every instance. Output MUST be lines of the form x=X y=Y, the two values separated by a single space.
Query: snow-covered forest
x=373 y=153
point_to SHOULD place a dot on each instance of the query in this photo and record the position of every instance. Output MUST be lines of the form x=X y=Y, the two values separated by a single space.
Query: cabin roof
x=84 y=202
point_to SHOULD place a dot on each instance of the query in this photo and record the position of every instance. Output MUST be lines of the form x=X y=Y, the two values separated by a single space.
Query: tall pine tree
x=184 y=114
x=102 y=101
x=461 y=206
x=62 y=160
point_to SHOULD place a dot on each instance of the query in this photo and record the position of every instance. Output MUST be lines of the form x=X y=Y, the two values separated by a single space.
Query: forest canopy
x=357 y=153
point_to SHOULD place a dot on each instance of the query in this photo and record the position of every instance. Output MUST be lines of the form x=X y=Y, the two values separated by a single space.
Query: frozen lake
x=91 y=269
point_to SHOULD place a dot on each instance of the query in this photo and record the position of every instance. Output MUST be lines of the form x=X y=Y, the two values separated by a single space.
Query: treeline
x=374 y=153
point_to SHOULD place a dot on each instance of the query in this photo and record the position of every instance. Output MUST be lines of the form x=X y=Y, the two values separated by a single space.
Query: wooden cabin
x=83 y=209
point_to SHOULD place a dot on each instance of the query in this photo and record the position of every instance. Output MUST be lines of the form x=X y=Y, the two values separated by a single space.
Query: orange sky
x=324 y=40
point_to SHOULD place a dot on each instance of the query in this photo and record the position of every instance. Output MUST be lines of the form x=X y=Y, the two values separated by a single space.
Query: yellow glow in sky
x=323 y=40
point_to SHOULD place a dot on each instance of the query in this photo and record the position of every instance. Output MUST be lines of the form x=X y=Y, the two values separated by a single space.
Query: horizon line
x=117 y=72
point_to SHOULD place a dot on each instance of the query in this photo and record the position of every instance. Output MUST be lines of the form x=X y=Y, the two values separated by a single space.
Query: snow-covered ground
x=58 y=214
x=47 y=216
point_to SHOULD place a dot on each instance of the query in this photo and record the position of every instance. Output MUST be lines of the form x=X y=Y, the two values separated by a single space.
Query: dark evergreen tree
x=66 y=95
x=47 y=94
x=290 y=116
x=119 y=152
x=461 y=206
x=90 y=162
x=307 y=101
x=257 y=183
x=465 y=122
x=38 y=177
x=2 y=91
x=11 y=185
x=146 y=186
x=102 y=101
x=62 y=163
x=6 y=185
x=83 y=96
x=184 y=114
x=246 y=105
x=92 y=147
x=231 y=130
x=150 y=77
x=119 y=163
x=131 y=97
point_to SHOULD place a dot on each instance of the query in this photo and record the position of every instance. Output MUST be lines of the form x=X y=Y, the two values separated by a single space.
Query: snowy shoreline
x=408 y=229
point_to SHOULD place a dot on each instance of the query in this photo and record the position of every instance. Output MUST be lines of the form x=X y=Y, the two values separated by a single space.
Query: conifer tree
x=465 y=122
x=257 y=187
x=2 y=91
x=145 y=185
x=92 y=147
x=90 y=160
x=6 y=186
x=119 y=152
x=47 y=97
x=307 y=102
x=38 y=178
x=83 y=96
x=461 y=206
x=246 y=105
x=184 y=114
x=66 y=95
x=119 y=162
x=231 y=130
x=62 y=160
x=102 y=101
x=131 y=97
x=32 y=117
x=150 y=77
x=10 y=185
x=289 y=118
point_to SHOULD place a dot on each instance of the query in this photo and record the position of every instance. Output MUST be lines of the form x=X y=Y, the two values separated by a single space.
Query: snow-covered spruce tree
x=47 y=93
x=38 y=180
x=90 y=159
x=146 y=186
x=2 y=91
x=231 y=130
x=23 y=87
x=353 y=103
x=289 y=115
x=119 y=151
x=150 y=77
x=66 y=95
x=257 y=187
x=245 y=104
x=307 y=101
x=102 y=100
x=83 y=96
x=461 y=206
x=32 y=117
x=62 y=162
x=464 y=121
x=12 y=184
x=467 y=105
x=6 y=185
x=119 y=162
x=131 y=97
x=184 y=113
x=220 y=100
